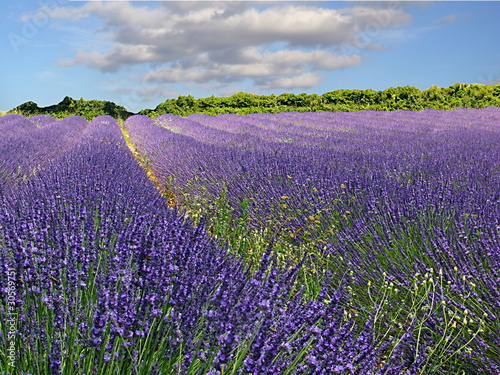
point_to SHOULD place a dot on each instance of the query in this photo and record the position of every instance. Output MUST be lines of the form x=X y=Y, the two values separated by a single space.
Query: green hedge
x=407 y=98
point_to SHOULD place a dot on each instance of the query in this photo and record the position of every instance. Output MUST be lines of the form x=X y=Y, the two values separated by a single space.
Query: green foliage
x=71 y=107
x=345 y=100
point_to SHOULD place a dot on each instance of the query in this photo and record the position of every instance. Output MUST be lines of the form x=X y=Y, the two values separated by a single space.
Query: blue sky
x=140 y=53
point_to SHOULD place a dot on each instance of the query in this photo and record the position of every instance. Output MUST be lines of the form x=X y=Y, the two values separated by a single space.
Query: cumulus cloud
x=303 y=81
x=251 y=63
x=278 y=44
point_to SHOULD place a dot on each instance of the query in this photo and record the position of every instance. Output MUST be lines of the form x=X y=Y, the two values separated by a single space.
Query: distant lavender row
x=106 y=271
x=271 y=130
x=26 y=148
x=14 y=125
x=387 y=196
x=207 y=135
x=405 y=162
x=174 y=155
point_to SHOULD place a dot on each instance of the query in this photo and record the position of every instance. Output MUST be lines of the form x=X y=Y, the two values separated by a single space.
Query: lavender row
x=270 y=130
x=24 y=153
x=15 y=124
x=207 y=135
x=108 y=278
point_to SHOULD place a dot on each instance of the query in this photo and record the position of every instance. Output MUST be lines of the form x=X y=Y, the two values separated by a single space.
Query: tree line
x=348 y=100
x=72 y=107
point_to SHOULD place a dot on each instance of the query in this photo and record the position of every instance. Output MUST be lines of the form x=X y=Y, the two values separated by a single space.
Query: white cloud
x=225 y=42
x=303 y=81
x=262 y=67
x=129 y=55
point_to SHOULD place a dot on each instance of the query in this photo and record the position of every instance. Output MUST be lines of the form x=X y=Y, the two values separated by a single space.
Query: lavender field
x=292 y=243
